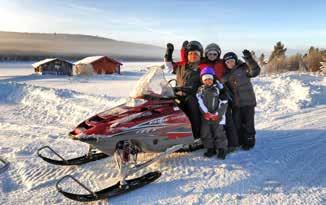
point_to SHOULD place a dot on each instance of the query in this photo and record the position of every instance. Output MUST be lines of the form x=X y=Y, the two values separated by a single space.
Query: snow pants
x=231 y=130
x=244 y=119
x=189 y=105
x=213 y=135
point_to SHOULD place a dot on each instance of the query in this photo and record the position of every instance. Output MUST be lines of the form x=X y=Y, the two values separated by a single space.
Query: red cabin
x=99 y=64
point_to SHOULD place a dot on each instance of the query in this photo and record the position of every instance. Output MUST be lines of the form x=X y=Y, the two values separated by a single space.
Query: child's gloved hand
x=214 y=117
x=207 y=116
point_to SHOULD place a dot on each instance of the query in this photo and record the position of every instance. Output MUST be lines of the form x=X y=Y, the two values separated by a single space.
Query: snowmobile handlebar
x=186 y=89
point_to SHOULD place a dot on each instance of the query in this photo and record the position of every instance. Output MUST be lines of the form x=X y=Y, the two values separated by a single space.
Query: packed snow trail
x=287 y=165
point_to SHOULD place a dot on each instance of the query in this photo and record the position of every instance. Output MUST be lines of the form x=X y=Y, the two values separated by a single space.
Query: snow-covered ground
x=287 y=166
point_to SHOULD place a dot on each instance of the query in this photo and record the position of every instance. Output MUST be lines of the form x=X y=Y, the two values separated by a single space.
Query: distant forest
x=72 y=58
x=17 y=46
x=278 y=61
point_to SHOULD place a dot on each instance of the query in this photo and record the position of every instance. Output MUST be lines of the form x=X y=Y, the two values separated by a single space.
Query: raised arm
x=253 y=67
x=169 y=64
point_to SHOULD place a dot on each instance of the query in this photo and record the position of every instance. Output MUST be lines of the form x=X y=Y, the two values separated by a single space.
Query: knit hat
x=230 y=55
x=207 y=76
x=207 y=70
x=213 y=47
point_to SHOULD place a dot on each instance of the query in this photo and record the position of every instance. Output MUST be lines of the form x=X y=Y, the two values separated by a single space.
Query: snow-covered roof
x=37 y=64
x=92 y=59
x=88 y=60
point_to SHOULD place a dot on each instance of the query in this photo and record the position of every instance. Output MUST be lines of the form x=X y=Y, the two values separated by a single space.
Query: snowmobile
x=150 y=121
x=3 y=165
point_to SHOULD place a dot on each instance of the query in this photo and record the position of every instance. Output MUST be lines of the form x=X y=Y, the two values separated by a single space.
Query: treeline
x=14 y=58
x=17 y=58
x=279 y=62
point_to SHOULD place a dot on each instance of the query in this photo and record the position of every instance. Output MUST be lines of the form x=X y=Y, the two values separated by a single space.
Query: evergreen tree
x=278 y=52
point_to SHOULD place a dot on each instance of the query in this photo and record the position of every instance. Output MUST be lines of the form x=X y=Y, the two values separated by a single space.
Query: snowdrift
x=287 y=166
x=49 y=105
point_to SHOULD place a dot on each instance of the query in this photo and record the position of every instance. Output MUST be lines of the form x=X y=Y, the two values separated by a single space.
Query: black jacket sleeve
x=253 y=68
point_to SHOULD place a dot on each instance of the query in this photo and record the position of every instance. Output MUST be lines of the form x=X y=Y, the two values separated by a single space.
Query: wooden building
x=53 y=66
x=98 y=65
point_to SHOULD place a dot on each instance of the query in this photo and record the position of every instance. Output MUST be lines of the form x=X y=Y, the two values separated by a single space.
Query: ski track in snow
x=287 y=165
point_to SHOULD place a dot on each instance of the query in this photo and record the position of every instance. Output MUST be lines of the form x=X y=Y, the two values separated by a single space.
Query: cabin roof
x=37 y=64
x=92 y=59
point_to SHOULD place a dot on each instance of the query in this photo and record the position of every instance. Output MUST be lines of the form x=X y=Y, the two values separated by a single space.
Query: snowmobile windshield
x=153 y=84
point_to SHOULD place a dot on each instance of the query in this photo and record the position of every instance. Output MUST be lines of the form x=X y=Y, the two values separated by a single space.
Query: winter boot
x=231 y=149
x=221 y=154
x=210 y=152
x=250 y=144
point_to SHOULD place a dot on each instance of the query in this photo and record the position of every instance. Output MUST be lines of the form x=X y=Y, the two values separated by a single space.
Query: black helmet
x=195 y=46
x=230 y=55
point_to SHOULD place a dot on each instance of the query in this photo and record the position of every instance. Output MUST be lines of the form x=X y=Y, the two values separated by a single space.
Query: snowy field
x=287 y=166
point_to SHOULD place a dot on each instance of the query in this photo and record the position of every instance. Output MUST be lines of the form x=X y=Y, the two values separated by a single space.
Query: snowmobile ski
x=91 y=156
x=197 y=145
x=108 y=192
x=3 y=165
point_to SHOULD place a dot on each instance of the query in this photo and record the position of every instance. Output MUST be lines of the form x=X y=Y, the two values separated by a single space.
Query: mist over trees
x=15 y=46
x=18 y=46
x=279 y=62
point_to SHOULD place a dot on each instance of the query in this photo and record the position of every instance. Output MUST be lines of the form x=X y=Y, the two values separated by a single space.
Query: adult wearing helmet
x=188 y=77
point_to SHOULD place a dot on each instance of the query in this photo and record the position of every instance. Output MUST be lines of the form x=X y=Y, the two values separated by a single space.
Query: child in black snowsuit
x=213 y=104
x=237 y=78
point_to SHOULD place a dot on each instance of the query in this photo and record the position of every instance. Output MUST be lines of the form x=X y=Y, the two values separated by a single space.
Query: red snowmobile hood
x=123 y=117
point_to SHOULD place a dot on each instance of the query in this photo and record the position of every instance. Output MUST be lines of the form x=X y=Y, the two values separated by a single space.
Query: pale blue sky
x=233 y=24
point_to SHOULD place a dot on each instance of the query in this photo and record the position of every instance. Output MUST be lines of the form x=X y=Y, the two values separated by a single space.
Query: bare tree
x=261 y=60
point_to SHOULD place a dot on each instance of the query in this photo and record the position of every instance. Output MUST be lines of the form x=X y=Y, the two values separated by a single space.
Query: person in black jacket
x=237 y=78
x=188 y=78
x=212 y=103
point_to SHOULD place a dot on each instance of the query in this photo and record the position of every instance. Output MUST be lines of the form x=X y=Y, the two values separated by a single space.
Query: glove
x=177 y=89
x=183 y=52
x=246 y=54
x=185 y=44
x=169 y=52
x=214 y=117
x=170 y=47
x=207 y=116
